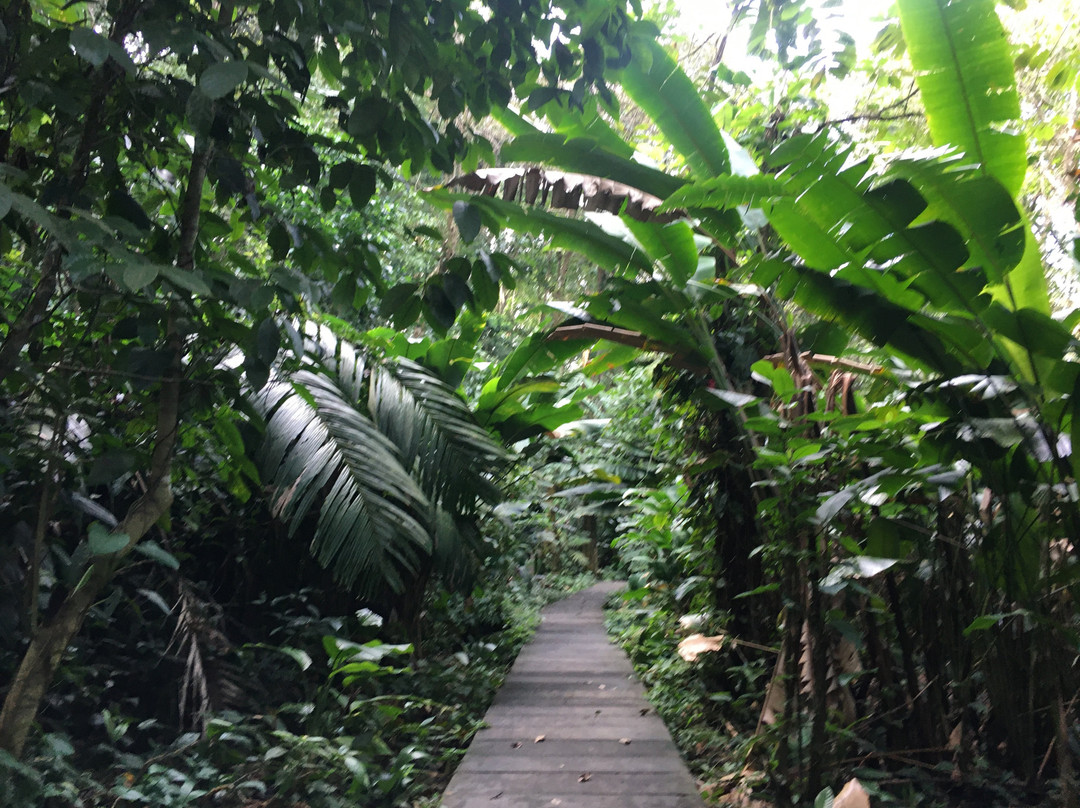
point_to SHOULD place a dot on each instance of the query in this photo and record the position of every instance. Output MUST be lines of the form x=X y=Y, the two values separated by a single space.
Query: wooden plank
x=603 y=746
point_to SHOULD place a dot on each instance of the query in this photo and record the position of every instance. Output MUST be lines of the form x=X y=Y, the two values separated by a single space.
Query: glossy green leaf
x=90 y=45
x=222 y=78
x=102 y=541
x=467 y=219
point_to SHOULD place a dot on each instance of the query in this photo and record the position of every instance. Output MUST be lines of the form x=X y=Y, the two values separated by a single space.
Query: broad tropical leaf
x=321 y=452
x=964 y=68
x=657 y=85
x=570 y=234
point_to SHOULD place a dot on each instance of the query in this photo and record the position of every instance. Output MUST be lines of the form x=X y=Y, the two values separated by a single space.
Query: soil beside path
x=571 y=727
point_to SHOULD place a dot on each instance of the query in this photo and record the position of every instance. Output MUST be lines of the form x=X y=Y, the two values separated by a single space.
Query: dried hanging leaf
x=690 y=648
x=774 y=695
x=565 y=190
x=852 y=795
x=955 y=736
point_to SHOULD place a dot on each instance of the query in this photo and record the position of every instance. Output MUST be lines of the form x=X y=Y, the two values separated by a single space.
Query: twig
x=880 y=115
x=830 y=361
x=1050 y=748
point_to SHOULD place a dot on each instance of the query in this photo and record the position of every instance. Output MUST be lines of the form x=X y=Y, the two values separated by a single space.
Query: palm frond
x=373 y=520
x=452 y=456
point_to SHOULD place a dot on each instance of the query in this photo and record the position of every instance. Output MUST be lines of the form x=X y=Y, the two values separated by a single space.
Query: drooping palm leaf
x=454 y=457
x=320 y=450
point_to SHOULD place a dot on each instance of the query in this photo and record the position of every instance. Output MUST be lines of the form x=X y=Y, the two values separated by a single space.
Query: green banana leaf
x=568 y=234
x=964 y=69
x=590 y=157
x=670 y=99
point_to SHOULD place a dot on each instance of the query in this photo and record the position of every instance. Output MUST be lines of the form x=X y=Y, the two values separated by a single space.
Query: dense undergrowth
x=712 y=705
x=331 y=710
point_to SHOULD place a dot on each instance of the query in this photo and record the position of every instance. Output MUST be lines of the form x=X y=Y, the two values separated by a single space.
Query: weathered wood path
x=571 y=727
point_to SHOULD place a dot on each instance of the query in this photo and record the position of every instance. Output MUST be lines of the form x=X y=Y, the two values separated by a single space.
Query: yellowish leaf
x=690 y=648
x=852 y=795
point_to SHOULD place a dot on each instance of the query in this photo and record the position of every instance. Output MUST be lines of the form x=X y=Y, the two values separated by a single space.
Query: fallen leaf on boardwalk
x=624 y=741
x=540 y=738
x=644 y=711
x=603 y=687
x=585 y=777
x=515 y=745
x=496 y=796
x=853 y=795
x=690 y=648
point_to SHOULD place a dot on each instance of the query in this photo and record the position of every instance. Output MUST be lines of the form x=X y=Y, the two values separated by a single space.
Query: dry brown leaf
x=515 y=745
x=852 y=795
x=774 y=695
x=565 y=190
x=955 y=736
x=540 y=738
x=585 y=777
x=690 y=648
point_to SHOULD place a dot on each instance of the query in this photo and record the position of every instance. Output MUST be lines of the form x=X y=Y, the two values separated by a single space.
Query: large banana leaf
x=589 y=157
x=656 y=84
x=571 y=234
x=964 y=68
x=320 y=450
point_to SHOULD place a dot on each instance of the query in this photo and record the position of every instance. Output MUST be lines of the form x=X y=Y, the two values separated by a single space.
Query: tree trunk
x=43 y=656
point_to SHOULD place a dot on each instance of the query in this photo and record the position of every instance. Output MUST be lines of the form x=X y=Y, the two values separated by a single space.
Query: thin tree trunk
x=819 y=662
x=47 y=648
x=43 y=656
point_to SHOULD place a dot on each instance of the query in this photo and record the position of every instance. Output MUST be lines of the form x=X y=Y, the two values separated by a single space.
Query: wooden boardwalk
x=571 y=727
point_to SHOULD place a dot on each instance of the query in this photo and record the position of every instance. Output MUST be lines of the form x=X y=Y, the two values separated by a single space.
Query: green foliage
x=380 y=457
x=927 y=266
